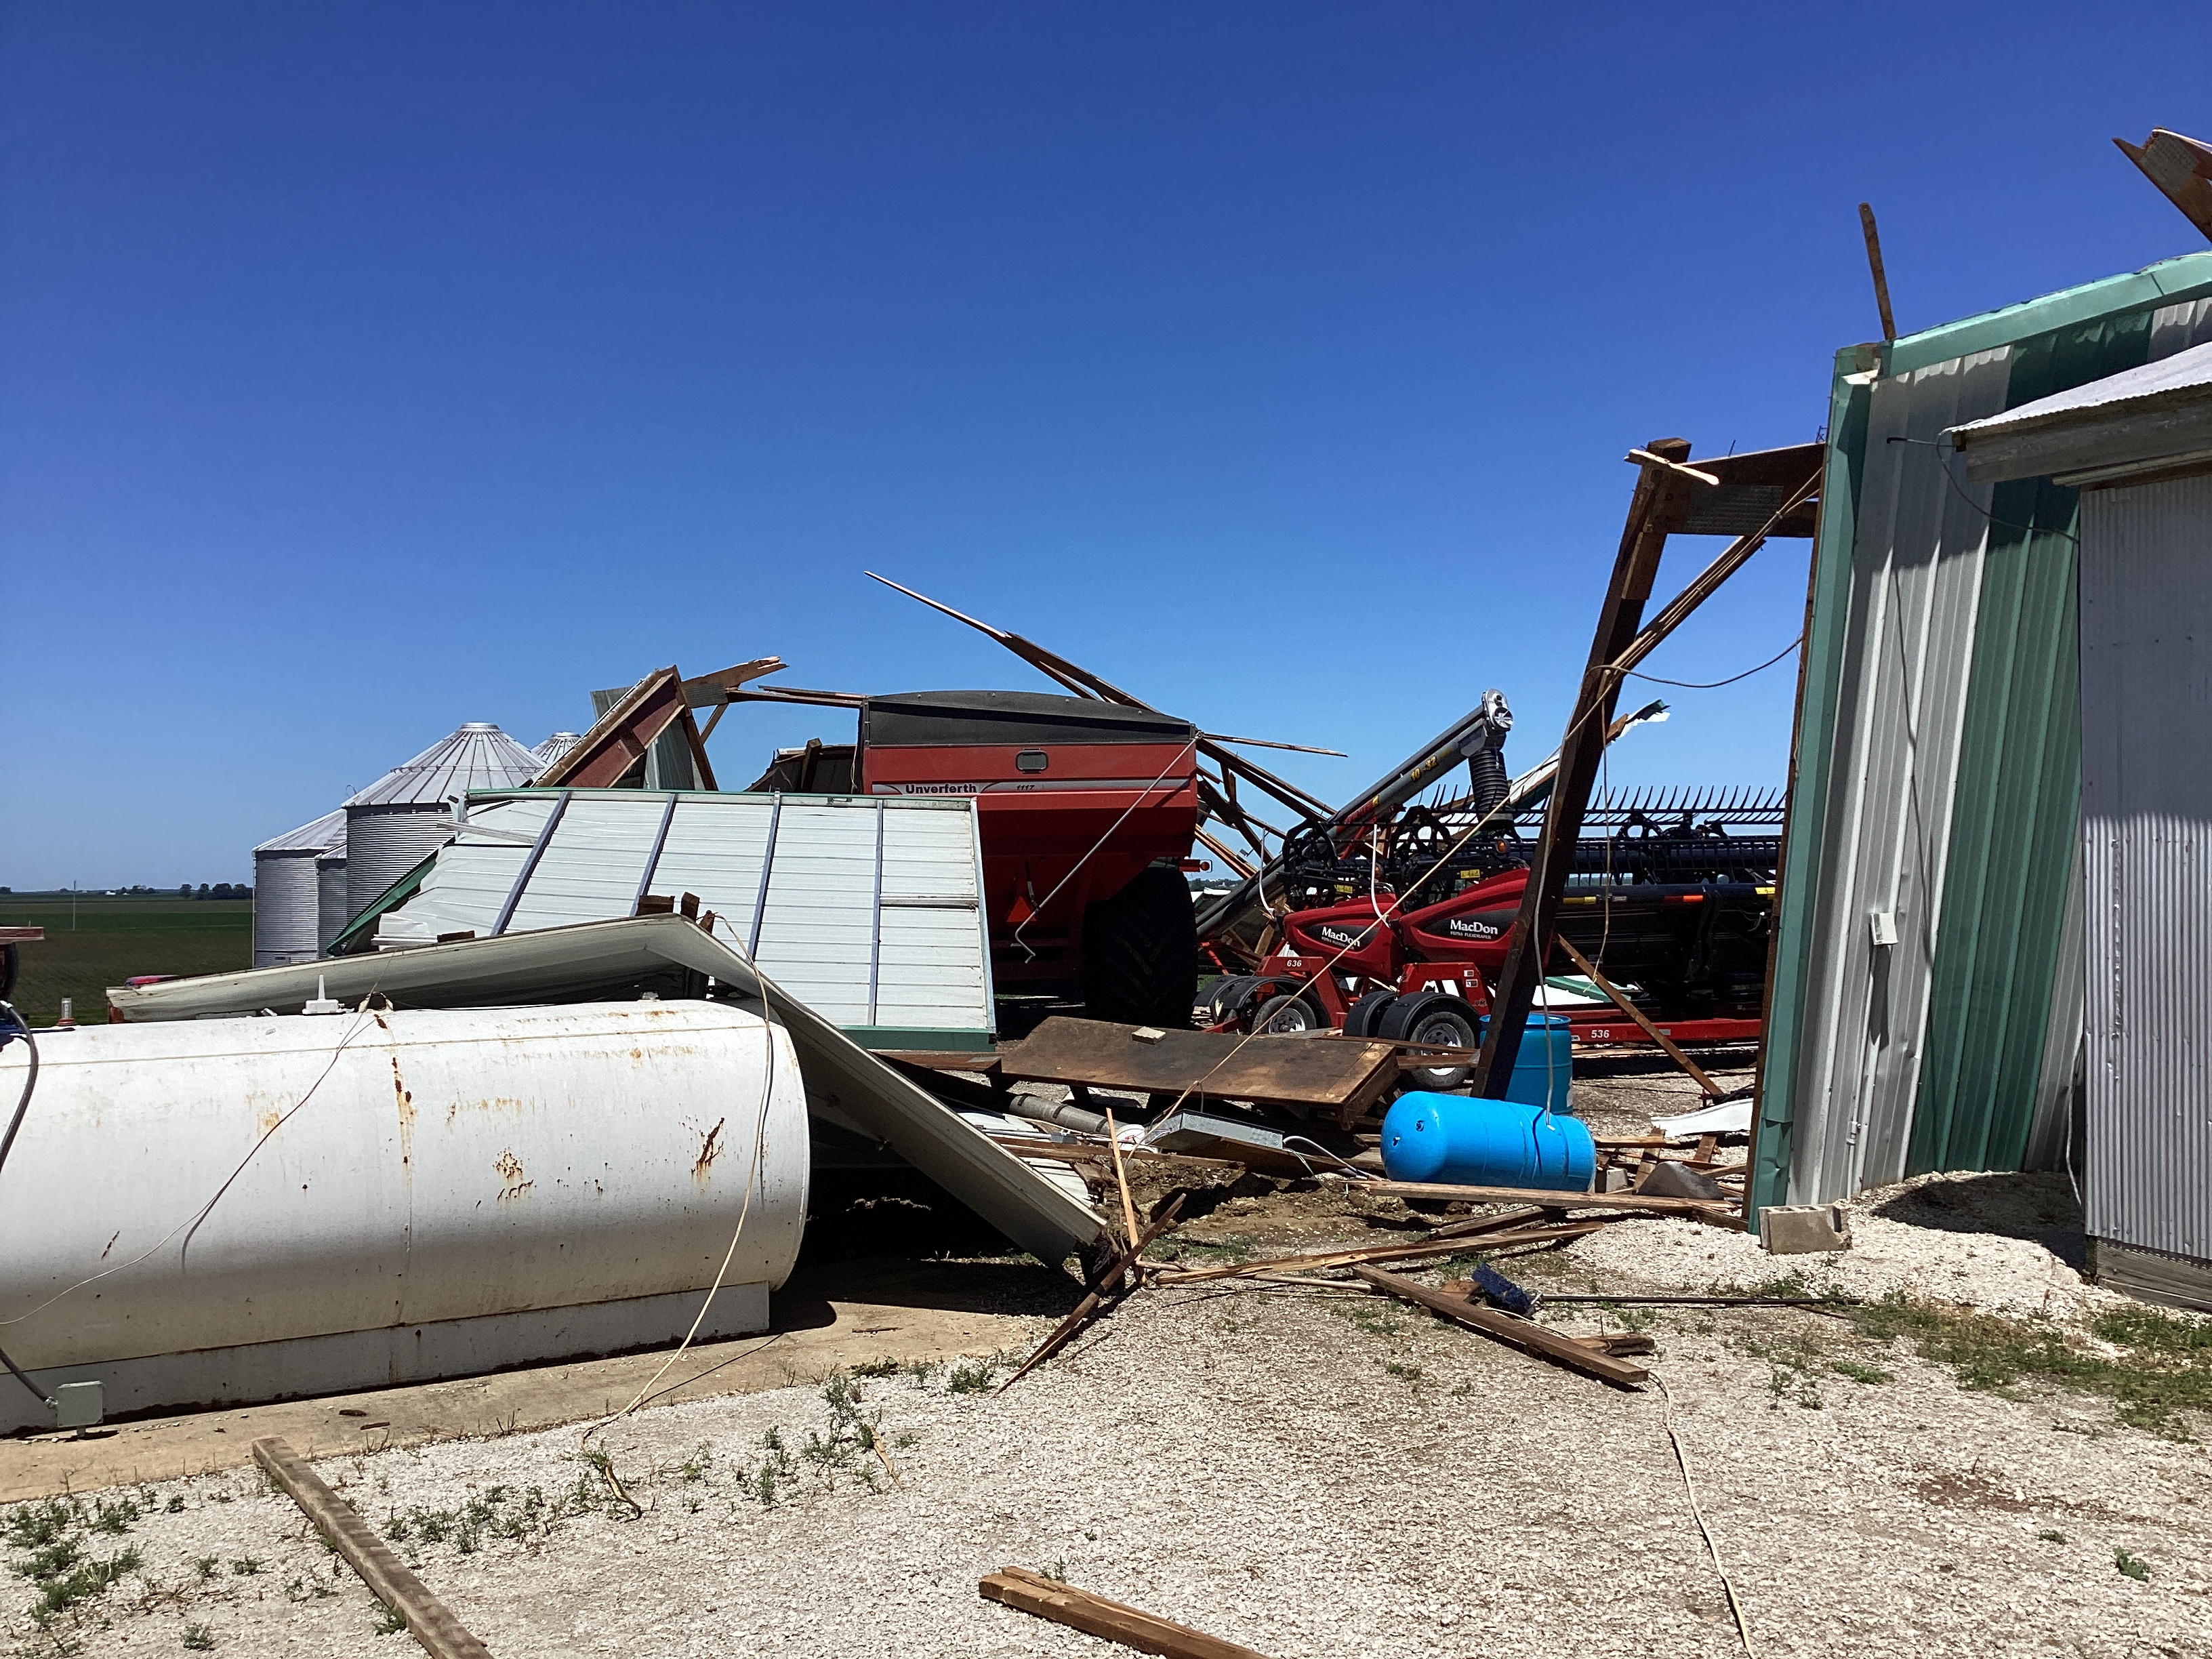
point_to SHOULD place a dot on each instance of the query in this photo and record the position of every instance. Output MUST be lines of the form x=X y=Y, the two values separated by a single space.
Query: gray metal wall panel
x=1915 y=583
x=2147 y=835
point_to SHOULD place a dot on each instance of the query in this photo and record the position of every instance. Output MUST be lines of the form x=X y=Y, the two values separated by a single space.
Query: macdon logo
x=1343 y=936
x=1474 y=927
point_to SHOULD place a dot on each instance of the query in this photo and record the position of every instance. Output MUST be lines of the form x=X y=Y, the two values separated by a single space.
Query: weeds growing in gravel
x=1860 y=1373
x=496 y=1512
x=53 y=1534
x=1404 y=1372
x=971 y=1376
x=385 y=1622
x=2133 y=1565
x=2165 y=1367
x=1374 y=1321
x=198 y=1637
x=2051 y=1535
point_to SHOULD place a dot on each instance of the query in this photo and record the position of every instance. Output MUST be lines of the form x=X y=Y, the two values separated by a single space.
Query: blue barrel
x=1544 y=1068
x=1486 y=1143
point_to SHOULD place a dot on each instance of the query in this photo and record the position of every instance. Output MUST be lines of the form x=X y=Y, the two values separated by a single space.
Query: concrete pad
x=827 y=1318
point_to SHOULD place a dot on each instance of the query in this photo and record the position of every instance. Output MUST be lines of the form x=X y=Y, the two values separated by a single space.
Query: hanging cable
x=1715 y=685
x=21 y=1029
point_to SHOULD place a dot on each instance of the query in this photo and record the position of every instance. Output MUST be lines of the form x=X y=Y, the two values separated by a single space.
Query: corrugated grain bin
x=417 y=1194
x=287 y=923
x=404 y=816
x=331 y=894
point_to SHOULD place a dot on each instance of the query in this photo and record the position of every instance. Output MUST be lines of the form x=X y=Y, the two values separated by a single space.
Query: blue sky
x=369 y=369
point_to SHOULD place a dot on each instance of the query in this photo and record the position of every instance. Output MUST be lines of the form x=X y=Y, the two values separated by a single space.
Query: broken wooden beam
x=429 y=1621
x=1113 y=1621
x=1523 y=1333
x=1439 y=1192
x=1435 y=1246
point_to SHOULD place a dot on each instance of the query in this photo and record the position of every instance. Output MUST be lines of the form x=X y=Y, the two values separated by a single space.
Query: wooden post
x=1660 y=497
x=1112 y=1621
x=1874 y=265
x=429 y=1619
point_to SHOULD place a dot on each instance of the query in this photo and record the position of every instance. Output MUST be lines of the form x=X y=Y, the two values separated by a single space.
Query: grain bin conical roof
x=555 y=746
x=479 y=756
x=325 y=833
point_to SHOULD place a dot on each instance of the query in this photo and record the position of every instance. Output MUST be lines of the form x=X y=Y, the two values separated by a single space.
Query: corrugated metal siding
x=2147 y=819
x=868 y=910
x=284 y=908
x=1937 y=780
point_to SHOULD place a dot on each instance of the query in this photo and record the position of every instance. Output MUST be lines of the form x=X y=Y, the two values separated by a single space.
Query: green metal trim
x=2167 y=282
x=391 y=899
x=2016 y=801
x=1849 y=399
x=918 y=1038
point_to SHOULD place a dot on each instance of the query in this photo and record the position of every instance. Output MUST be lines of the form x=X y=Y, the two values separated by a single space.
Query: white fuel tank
x=219 y=1212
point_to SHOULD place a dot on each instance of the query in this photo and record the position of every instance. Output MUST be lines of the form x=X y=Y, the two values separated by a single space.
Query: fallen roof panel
x=565 y=963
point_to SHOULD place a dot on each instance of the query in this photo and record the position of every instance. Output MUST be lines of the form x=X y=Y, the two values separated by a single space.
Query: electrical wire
x=1943 y=463
x=197 y=1217
x=1715 y=685
x=752 y=1170
x=7 y=1143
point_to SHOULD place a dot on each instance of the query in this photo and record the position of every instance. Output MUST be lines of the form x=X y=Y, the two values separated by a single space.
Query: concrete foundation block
x=1803 y=1229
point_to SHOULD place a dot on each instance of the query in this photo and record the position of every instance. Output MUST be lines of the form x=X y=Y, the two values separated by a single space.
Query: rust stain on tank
x=405 y=1099
x=709 y=1150
x=514 y=1104
x=516 y=1184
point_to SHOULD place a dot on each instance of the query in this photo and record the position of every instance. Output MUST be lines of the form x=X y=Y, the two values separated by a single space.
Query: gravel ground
x=1311 y=1473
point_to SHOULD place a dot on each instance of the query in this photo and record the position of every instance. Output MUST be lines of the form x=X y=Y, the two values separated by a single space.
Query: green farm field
x=108 y=940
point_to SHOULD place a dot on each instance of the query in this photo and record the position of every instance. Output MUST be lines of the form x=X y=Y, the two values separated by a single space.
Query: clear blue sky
x=368 y=369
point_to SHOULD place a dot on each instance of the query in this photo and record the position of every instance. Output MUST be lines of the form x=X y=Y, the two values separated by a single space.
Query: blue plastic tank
x=1486 y=1143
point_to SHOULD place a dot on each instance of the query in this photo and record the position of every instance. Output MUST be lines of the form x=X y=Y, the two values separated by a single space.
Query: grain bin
x=331 y=893
x=402 y=818
x=287 y=925
x=403 y=1196
x=555 y=746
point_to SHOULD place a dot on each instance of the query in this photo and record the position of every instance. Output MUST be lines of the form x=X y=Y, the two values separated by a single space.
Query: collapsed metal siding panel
x=1934 y=783
x=866 y=909
x=2146 y=821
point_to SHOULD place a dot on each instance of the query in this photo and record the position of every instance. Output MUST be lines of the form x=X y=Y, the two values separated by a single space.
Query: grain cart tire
x=1140 y=952
x=1435 y=1020
x=1287 y=1015
x=1366 y=1016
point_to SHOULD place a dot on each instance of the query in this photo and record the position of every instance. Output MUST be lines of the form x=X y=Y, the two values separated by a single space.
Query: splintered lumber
x=1433 y=1246
x=1114 y=1621
x=1626 y=1203
x=1343 y=1076
x=429 y=1621
x=1107 y=1282
x=1523 y=1333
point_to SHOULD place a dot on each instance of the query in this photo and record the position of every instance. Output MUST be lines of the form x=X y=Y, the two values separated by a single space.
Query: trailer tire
x=1287 y=1015
x=1140 y=952
x=1366 y=1018
x=1440 y=1020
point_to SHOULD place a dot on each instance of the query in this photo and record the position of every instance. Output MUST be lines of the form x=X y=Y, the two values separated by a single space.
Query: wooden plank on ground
x=1626 y=1203
x=1456 y=1245
x=1113 y=1621
x=1523 y=1333
x=429 y=1621
x=1284 y=1071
